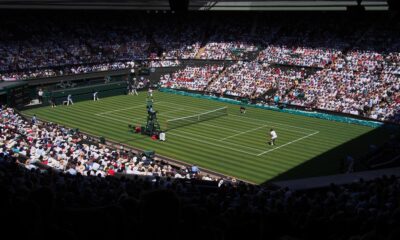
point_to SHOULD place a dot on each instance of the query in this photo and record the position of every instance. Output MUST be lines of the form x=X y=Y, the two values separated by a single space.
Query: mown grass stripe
x=285 y=162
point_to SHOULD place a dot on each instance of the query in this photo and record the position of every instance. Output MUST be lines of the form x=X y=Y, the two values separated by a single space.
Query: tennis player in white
x=69 y=100
x=95 y=97
x=274 y=136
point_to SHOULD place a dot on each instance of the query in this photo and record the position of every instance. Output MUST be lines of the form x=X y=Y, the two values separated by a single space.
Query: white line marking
x=133 y=107
x=240 y=133
x=215 y=139
x=222 y=146
x=270 y=150
x=264 y=121
x=272 y=124
x=121 y=109
x=171 y=103
x=118 y=120
x=211 y=125
x=208 y=143
x=254 y=119
x=206 y=124
x=119 y=116
x=165 y=113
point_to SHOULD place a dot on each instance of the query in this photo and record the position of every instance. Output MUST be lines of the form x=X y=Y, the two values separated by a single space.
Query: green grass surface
x=235 y=144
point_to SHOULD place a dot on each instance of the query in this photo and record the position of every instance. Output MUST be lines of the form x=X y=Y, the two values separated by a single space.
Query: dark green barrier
x=86 y=93
x=291 y=111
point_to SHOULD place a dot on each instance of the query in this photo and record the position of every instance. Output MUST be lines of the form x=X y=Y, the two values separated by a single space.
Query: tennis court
x=231 y=143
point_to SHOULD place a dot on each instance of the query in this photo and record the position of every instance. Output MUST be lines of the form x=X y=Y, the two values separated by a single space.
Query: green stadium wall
x=86 y=93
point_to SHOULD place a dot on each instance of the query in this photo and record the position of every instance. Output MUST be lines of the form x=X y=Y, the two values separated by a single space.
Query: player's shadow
x=362 y=150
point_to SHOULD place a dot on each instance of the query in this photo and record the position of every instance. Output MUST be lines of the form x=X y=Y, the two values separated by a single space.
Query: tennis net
x=184 y=121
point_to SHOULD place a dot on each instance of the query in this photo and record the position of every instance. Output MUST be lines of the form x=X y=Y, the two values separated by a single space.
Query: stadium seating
x=59 y=183
x=312 y=66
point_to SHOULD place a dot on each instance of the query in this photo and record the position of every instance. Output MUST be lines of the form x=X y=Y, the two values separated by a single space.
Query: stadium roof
x=195 y=5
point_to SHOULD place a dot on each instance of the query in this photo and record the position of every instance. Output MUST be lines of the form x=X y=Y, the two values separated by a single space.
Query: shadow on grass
x=333 y=161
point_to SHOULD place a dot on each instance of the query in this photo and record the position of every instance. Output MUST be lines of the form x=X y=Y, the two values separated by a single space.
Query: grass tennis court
x=234 y=144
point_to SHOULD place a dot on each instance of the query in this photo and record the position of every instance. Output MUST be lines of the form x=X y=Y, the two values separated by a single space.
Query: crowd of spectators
x=57 y=182
x=352 y=72
x=362 y=83
x=178 y=38
x=164 y=63
x=252 y=79
x=70 y=205
x=232 y=40
x=67 y=70
x=69 y=151
x=230 y=50
x=298 y=56
x=191 y=78
x=356 y=83
x=355 y=70
x=79 y=186
x=36 y=48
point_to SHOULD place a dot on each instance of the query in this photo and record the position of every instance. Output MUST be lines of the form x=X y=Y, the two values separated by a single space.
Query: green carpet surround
x=234 y=144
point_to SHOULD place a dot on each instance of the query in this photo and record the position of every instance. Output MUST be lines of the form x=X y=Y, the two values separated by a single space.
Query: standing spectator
x=34 y=120
x=53 y=101
x=195 y=169
x=95 y=96
x=129 y=88
x=40 y=95
x=134 y=87
x=69 y=100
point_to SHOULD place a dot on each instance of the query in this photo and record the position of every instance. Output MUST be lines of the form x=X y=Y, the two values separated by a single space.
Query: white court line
x=237 y=134
x=121 y=109
x=273 y=125
x=211 y=125
x=309 y=135
x=245 y=121
x=117 y=119
x=202 y=123
x=254 y=119
x=171 y=103
x=165 y=113
x=265 y=121
x=133 y=107
x=215 y=139
x=222 y=146
x=132 y=119
x=208 y=143
x=206 y=124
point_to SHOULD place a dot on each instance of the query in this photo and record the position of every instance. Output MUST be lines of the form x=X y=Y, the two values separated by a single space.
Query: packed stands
x=58 y=182
x=317 y=66
x=68 y=151
x=64 y=201
x=191 y=78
